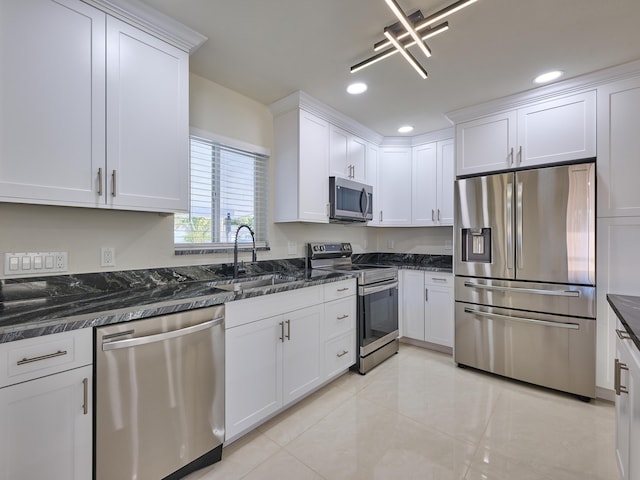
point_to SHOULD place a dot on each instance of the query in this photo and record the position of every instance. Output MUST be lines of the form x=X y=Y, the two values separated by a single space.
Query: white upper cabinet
x=347 y=155
x=147 y=121
x=394 y=187
x=52 y=90
x=547 y=132
x=618 y=147
x=485 y=144
x=432 y=187
x=94 y=111
x=301 y=167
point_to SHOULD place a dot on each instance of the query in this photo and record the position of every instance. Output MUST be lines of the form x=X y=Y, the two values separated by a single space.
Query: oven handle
x=378 y=287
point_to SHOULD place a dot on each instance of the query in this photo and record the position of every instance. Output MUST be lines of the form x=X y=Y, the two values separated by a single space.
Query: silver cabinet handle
x=85 y=388
x=545 y=323
x=426 y=294
x=281 y=331
x=520 y=155
x=159 y=337
x=327 y=209
x=113 y=184
x=553 y=293
x=342 y=317
x=617 y=374
x=59 y=353
x=342 y=354
x=288 y=329
x=623 y=335
x=519 y=232
x=344 y=289
x=511 y=157
x=438 y=214
x=433 y=215
x=381 y=215
x=100 y=182
x=436 y=279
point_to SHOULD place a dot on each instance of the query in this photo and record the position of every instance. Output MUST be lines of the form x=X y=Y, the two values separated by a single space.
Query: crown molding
x=589 y=81
x=312 y=105
x=150 y=20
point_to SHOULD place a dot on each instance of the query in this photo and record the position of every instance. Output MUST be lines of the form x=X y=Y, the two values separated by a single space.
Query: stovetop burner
x=337 y=257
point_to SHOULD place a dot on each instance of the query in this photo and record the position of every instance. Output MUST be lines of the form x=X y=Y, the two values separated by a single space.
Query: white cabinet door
x=424 y=198
x=413 y=304
x=52 y=90
x=347 y=155
x=486 y=144
x=446 y=179
x=339 y=153
x=618 y=264
x=313 y=176
x=439 y=311
x=302 y=354
x=46 y=427
x=253 y=373
x=147 y=121
x=634 y=411
x=557 y=130
x=394 y=186
x=618 y=147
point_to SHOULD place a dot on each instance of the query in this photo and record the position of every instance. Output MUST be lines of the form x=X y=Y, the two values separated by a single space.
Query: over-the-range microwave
x=350 y=201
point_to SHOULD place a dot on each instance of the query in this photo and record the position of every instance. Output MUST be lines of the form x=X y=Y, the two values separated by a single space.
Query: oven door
x=377 y=315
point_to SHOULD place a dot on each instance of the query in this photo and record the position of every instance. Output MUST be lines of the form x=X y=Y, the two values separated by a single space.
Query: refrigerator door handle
x=509 y=228
x=570 y=326
x=537 y=291
x=519 y=225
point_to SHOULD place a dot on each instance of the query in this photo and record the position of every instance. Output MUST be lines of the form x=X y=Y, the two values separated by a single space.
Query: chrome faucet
x=254 y=256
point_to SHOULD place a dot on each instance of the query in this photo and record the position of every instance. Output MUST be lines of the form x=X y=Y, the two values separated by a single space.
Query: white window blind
x=228 y=188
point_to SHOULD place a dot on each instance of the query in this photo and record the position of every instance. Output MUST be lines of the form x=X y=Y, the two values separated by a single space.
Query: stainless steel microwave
x=350 y=201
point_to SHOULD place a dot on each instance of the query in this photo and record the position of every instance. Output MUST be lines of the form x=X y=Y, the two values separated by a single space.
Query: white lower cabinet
x=627 y=373
x=46 y=407
x=280 y=347
x=427 y=306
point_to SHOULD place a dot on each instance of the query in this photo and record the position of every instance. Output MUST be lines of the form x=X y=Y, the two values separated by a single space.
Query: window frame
x=226 y=247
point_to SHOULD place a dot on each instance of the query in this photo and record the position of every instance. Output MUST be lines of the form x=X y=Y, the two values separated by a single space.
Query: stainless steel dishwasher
x=159 y=395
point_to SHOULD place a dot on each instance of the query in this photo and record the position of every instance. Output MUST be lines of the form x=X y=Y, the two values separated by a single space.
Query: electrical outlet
x=107 y=257
x=448 y=245
x=292 y=248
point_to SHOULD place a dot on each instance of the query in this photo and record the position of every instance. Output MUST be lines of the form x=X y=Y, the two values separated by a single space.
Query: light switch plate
x=34 y=263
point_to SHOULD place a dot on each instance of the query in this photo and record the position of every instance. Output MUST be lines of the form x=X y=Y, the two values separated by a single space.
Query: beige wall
x=145 y=240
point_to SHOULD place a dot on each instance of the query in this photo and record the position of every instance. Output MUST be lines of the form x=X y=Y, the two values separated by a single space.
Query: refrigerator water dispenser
x=476 y=245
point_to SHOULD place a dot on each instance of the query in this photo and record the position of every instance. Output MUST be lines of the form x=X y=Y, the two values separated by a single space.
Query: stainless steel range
x=377 y=330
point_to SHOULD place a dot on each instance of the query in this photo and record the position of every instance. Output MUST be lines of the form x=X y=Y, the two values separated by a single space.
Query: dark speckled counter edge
x=627 y=309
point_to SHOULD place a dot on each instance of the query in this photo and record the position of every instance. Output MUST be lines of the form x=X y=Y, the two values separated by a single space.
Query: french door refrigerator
x=525 y=276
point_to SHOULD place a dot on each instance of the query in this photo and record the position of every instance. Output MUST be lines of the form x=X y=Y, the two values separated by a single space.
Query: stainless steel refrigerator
x=525 y=276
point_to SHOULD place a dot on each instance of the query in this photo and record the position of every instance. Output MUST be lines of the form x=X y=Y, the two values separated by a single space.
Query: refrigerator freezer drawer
x=557 y=299
x=548 y=350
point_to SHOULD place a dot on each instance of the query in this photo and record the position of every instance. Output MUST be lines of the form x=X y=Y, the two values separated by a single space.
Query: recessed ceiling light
x=548 y=76
x=357 y=88
x=405 y=129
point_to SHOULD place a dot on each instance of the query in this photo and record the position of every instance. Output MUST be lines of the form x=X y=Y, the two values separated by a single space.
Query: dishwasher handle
x=159 y=337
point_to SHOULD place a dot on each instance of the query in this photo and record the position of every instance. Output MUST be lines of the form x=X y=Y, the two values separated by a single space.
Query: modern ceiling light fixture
x=548 y=76
x=408 y=31
x=405 y=129
x=357 y=88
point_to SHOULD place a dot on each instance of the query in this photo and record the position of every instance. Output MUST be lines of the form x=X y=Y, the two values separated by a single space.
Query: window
x=228 y=188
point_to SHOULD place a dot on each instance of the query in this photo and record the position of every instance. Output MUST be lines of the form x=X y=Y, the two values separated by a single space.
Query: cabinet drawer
x=31 y=358
x=333 y=291
x=438 y=278
x=340 y=354
x=340 y=317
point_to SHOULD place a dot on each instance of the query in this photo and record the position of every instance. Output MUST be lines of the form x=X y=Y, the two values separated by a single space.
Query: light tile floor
x=418 y=416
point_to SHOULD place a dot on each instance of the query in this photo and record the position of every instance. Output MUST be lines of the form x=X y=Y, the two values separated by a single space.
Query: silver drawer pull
x=342 y=317
x=59 y=353
x=555 y=293
x=343 y=289
x=344 y=352
x=617 y=374
x=436 y=279
x=623 y=335
x=85 y=388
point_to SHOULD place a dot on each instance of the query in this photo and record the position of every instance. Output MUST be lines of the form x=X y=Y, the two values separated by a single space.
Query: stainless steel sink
x=241 y=285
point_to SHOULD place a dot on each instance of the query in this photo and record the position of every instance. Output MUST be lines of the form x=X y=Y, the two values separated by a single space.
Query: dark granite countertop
x=31 y=307
x=41 y=306
x=627 y=309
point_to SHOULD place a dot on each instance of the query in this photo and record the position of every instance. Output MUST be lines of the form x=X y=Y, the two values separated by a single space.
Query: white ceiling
x=267 y=49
